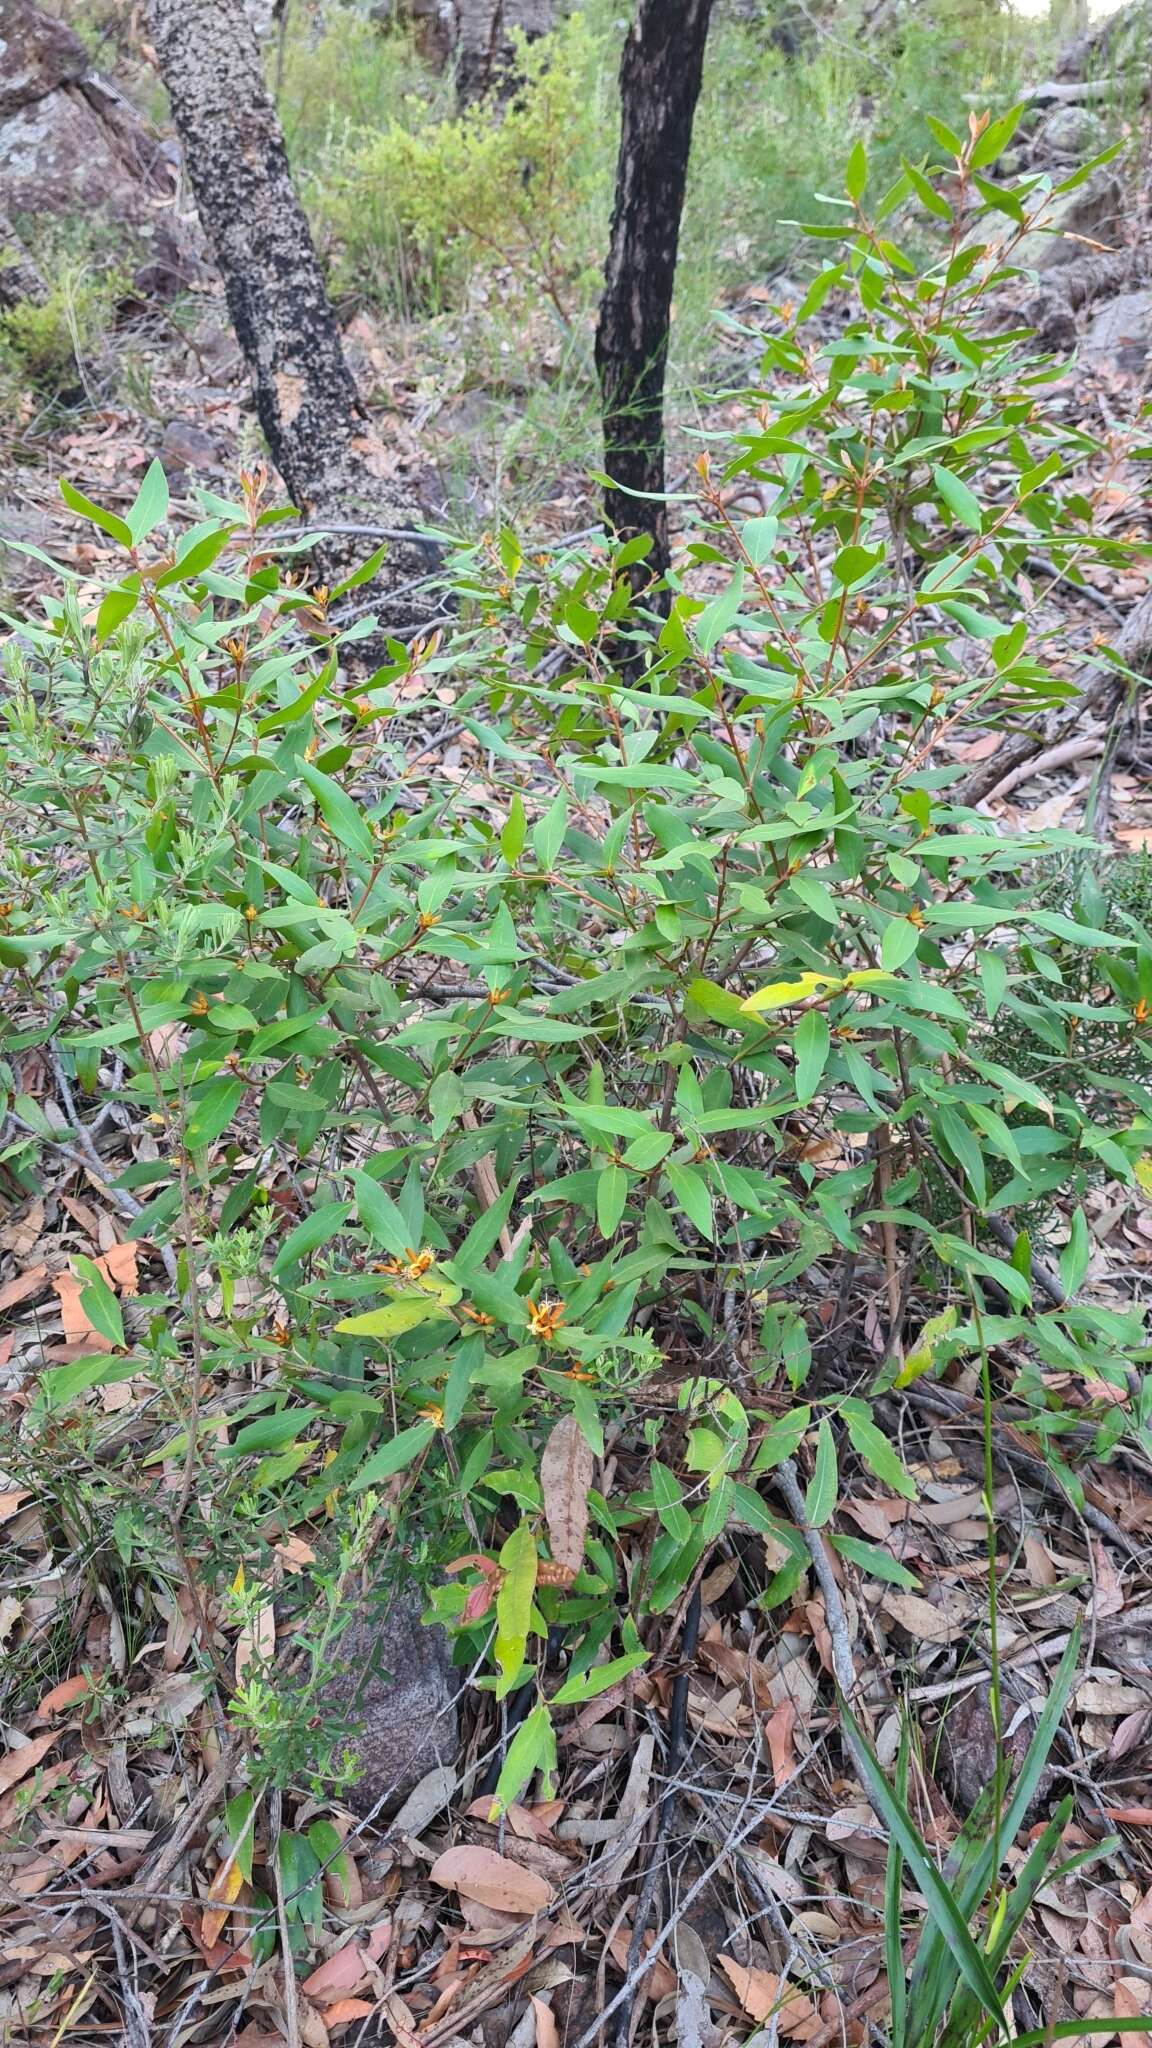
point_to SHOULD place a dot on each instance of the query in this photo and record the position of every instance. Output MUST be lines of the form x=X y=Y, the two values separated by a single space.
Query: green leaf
x=515 y=831
x=873 y=1446
x=272 y=1432
x=309 y=1235
x=961 y=502
x=532 y=1749
x=514 y=1605
x=212 y=1112
x=1074 y=1259
x=61 y=1383
x=717 y=617
x=820 y=1495
x=943 y=1907
x=694 y=1197
x=238 y=1832
x=99 y=1303
x=150 y=506
x=878 y=1563
x=996 y=137
x=669 y=1498
x=108 y=522
x=856 y=172
x=611 y=1199
x=812 y=1044
x=393 y=1456
x=116 y=606
x=901 y=938
x=381 y=1217
x=588 y=1685
x=338 y=811
x=926 y=193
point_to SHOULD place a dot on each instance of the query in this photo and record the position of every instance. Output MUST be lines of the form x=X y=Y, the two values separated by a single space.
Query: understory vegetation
x=526 y=1152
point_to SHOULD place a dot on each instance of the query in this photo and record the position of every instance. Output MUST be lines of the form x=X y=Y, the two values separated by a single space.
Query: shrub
x=488 y=1116
x=415 y=201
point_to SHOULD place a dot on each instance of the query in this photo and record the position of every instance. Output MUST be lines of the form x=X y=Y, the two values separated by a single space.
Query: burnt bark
x=485 y=51
x=320 y=440
x=660 y=74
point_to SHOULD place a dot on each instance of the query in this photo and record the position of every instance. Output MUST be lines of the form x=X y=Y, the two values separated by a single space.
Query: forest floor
x=116 y=1886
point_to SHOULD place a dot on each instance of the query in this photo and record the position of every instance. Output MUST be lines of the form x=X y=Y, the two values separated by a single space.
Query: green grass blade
x=893 y=1883
x=970 y=1866
x=970 y=1960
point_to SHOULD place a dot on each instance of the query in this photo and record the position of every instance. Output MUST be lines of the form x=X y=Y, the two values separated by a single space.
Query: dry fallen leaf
x=759 y=1994
x=77 y=1328
x=345 y=1972
x=23 y=1286
x=547 y=2033
x=257 y=1638
x=926 y=1621
x=19 y=1762
x=491 y=1880
x=779 y=1730
x=63 y=1695
x=566 y=1470
x=119 y=1267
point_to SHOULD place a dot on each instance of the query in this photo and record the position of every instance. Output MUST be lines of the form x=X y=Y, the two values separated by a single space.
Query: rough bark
x=19 y=277
x=660 y=76
x=332 y=463
x=485 y=51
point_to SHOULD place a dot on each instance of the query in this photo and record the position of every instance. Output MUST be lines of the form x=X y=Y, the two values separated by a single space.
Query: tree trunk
x=329 y=457
x=485 y=53
x=660 y=75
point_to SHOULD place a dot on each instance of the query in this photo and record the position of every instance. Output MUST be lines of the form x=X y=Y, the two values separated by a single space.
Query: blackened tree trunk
x=660 y=75
x=330 y=459
x=485 y=52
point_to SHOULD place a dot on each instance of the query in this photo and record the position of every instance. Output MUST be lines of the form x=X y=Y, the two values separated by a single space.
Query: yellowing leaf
x=222 y=1894
x=923 y=1357
x=780 y=994
x=1143 y=1171
x=403 y=1312
x=514 y=1605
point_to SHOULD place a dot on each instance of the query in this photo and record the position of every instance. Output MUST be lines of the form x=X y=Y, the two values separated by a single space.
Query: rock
x=967 y=1755
x=395 y=1689
x=1120 y=337
x=71 y=145
x=38 y=55
x=1089 y=215
x=56 y=157
x=1072 y=132
x=187 y=446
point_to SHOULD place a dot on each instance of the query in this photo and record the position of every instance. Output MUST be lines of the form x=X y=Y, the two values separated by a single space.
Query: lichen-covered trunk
x=660 y=75
x=485 y=51
x=331 y=461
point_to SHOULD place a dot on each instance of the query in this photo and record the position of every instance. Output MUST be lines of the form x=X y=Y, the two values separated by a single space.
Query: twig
x=648 y=1962
x=677 y=1723
x=842 y=1665
x=1052 y=757
x=945 y=1401
x=291 y=1995
x=155 y=1870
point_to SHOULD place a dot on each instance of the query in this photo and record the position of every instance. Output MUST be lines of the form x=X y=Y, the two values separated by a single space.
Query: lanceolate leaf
x=566 y=1469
